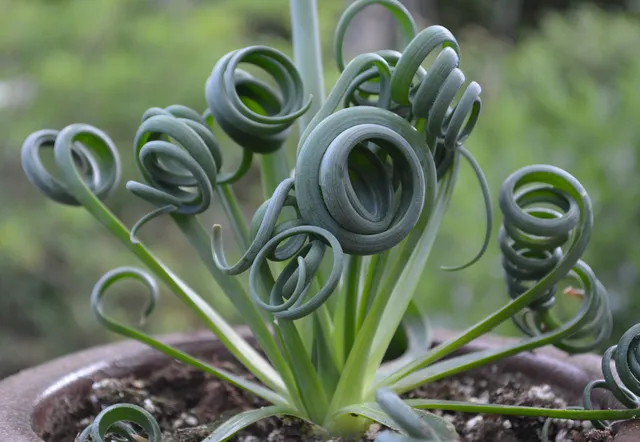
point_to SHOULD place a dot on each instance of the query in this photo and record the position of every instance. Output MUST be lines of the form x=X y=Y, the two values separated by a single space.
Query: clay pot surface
x=30 y=399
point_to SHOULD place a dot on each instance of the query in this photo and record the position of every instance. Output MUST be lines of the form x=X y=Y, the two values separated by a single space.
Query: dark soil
x=188 y=404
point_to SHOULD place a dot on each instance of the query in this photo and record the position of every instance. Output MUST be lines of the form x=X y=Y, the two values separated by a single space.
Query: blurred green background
x=559 y=82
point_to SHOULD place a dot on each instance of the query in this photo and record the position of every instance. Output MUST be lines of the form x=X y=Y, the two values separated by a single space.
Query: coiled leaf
x=625 y=383
x=289 y=297
x=117 y=420
x=547 y=221
x=251 y=112
x=344 y=187
x=85 y=156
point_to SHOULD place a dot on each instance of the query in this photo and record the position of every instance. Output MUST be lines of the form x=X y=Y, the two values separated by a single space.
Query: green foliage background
x=564 y=92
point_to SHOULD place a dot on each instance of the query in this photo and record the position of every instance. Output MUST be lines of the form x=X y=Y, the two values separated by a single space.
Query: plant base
x=185 y=401
x=126 y=372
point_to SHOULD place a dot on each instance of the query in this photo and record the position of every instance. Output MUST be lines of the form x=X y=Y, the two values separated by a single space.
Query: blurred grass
x=565 y=94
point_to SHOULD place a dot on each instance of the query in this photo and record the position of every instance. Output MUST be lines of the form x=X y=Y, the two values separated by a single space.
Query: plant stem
x=307 y=54
x=351 y=302
x=234 y=214
x=198 y=238
x=370 y=286
x=388 y=308
x=239 y=347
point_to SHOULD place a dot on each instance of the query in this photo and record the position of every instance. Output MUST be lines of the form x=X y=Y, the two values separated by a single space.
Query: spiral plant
x=334 y=253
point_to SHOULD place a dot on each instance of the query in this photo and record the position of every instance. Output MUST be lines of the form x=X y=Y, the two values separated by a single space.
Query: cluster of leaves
x=119 y=54
x=576 y=110
x=375 y=170
x=41 y=255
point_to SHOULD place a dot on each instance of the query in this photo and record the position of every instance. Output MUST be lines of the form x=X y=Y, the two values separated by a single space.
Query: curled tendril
x=486 y=197
x=252 y=113
x=97 y=306
x=264 y=226
x=434 y=94
x=428 y=96
x=109 y=279
x=345 y=187
x=179 y=157
x=547 y=221
x=373 y=82
x=626 y=385
x=363 y=63
x=415 y=428
x=289 y=297
x=371 y=86
x=116 y=420
x=367 y=84
x=86 y=158
x=408 y=27
x=289 y=247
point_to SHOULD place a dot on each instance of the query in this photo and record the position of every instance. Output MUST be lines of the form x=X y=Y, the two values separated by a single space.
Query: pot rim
x=25 y=395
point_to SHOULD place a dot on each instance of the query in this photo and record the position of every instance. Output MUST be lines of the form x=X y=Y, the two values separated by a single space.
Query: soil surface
x=188 y=404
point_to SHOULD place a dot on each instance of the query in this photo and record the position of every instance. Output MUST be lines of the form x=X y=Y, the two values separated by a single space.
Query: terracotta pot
x=31 y=399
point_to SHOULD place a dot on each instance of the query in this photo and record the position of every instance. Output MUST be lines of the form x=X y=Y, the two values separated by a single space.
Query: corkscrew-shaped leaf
x=263 y=231
x=546 y=223
x=179 y=158
x=97 y=306
x=625 y=382
x=249 y=110
x=117 y=420
x=91 y=158
x=344 y=187
x=288 y=299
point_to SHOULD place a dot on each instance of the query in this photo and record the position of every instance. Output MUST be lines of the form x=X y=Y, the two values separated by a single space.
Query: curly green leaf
x=251 y=112
x=97 y=306
x=625 y=386
x=344 y=187
x=400 y=13
x=289 y=298
x=116 y=420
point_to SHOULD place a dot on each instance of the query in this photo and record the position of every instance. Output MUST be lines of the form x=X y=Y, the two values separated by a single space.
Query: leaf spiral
x=433 y=97
x=85 y=157
x=401 y=14
x=288 y=298
x=111 y=278
x=367 y=85
x=625 y=384
x=116 y=420
x=423 y=97
x=547 y=220
x=373 y=82
x=344 y=186
x=249 y=110
x=180 y=158
x=289 y=247
x=264 y=227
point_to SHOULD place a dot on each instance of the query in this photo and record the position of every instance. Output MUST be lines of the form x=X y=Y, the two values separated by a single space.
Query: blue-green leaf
x=246 y=418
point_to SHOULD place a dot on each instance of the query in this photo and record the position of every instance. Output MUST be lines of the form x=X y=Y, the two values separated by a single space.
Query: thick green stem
x=234 y=213
x=307 y=54
x=351 y=302
x=372 y=279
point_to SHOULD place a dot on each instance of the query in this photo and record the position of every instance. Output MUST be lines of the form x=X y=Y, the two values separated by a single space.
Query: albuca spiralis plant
x=334 y=253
